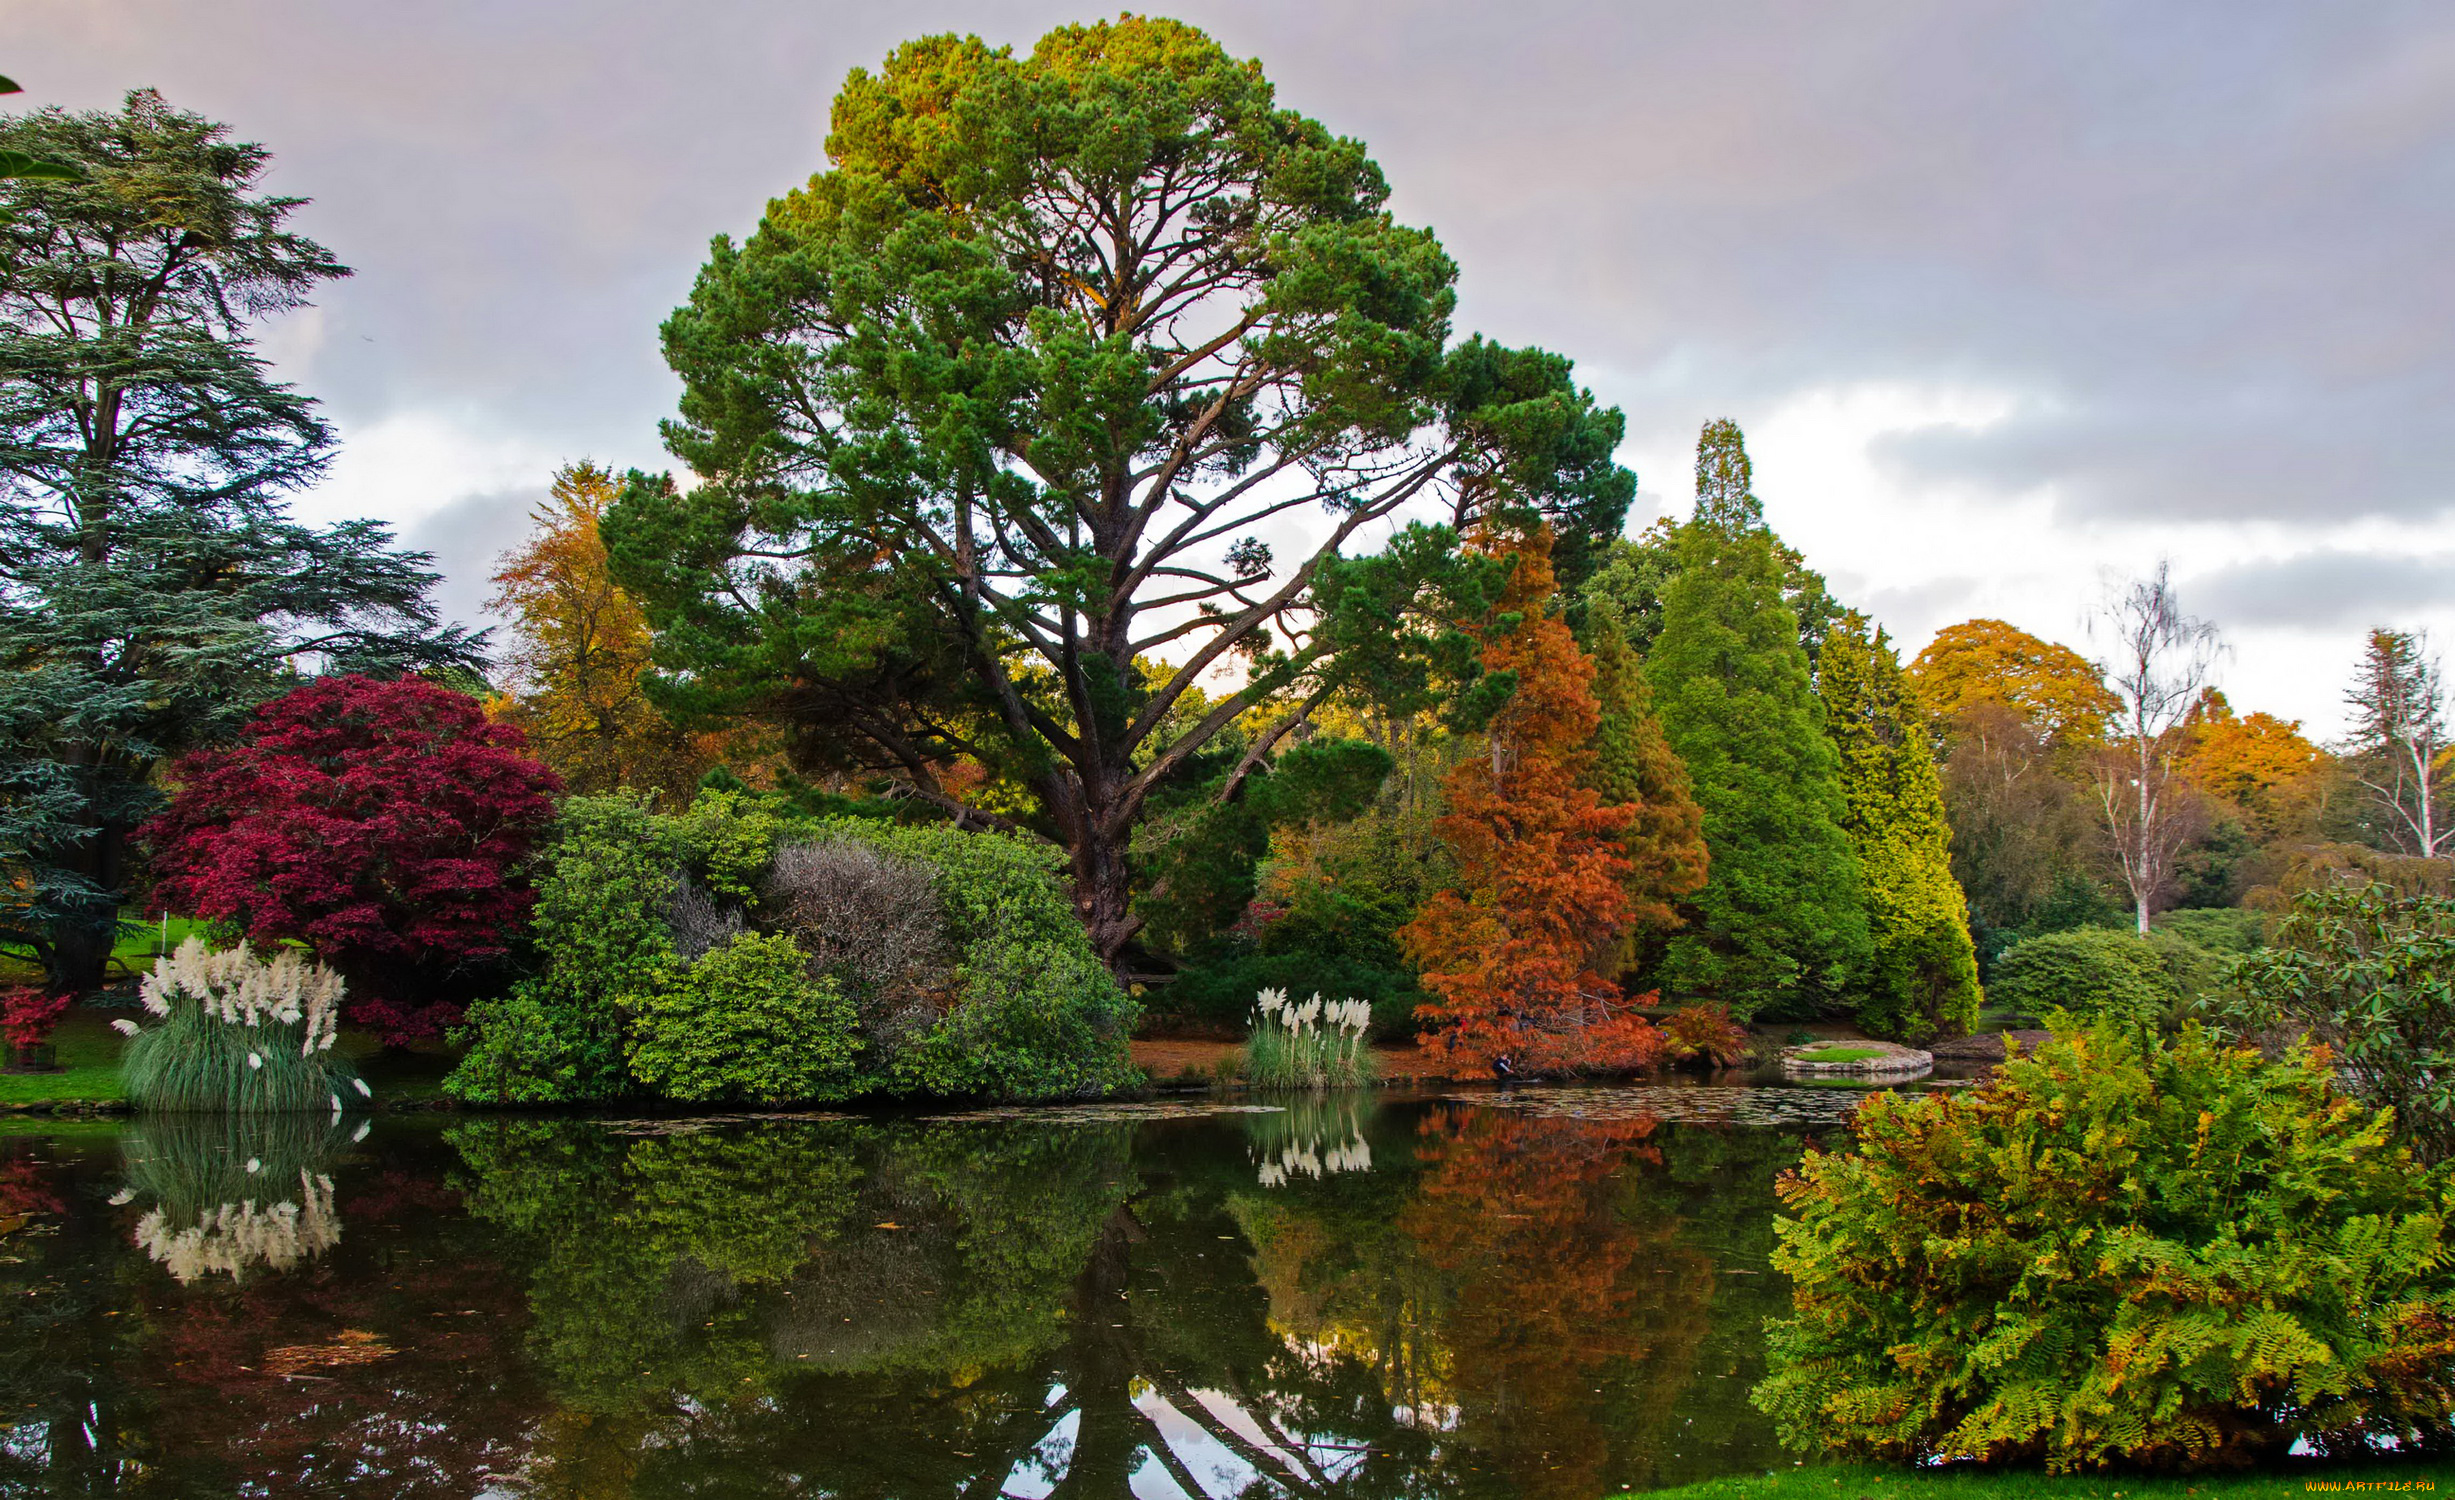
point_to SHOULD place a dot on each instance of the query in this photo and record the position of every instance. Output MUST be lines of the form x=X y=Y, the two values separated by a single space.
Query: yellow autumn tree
x=2058 y=691
x=2256 y=765
x=579 y=645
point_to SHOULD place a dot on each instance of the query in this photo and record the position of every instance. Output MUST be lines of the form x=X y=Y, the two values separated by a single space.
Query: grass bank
x=1869 y=1483
x=88 y=1052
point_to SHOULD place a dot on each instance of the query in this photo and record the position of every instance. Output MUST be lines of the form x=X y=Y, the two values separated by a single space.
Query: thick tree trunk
x=81 y=942
x=1104 y=895
x=80 y=955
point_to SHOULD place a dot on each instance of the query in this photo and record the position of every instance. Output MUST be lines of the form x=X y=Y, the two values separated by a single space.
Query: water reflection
x=1452 y=1300
x=227 y=1195
x=1313 y=1136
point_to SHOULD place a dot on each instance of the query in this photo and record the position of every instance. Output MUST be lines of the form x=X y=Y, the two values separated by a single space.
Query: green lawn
x=132 y=955
x=1840 y=1054
x=89 y=1048
x=1859 y=1483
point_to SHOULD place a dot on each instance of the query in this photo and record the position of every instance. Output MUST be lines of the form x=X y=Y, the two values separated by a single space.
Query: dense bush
x=873 y=921
x=2099 y=971
x=2118 y=1249
x=1706 y=1033
x=995 y=993
x=386 y=825
x=557 y=1037
x=1034 y=1013
x=2370 y=972
x=2218 y=929
x=747 y=1022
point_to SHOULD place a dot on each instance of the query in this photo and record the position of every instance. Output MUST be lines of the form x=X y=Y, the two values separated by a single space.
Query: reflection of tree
x=1541 y=1306
x=386 y=1364
x=1566 y=1316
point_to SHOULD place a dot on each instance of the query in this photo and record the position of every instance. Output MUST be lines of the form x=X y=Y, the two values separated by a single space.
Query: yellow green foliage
x=1924 y=980
x=2169 y=1254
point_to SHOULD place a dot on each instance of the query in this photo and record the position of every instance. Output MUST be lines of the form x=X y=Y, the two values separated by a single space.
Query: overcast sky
x=2010 y=299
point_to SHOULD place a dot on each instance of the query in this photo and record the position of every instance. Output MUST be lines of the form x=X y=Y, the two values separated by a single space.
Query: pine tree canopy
x=989 y=417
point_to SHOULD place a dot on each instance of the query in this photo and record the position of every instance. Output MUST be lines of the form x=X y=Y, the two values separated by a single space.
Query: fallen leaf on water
x=353 y=1346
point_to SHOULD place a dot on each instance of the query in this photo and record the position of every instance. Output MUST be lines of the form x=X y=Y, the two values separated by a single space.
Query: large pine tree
x=1923 y=981
x=1781 y=922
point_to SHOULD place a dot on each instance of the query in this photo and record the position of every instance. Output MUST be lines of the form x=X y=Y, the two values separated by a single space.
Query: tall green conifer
x=1781 y=921
x=1634 y=765
x=1924 y=978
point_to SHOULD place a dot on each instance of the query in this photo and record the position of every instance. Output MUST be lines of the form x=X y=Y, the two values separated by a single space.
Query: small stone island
x=1856 y=1059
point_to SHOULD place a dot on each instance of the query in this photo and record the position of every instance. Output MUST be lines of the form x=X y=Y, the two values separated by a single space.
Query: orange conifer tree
x=1510 y=955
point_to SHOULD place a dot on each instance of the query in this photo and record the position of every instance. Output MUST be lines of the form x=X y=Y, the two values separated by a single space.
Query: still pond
x=1542 y=1292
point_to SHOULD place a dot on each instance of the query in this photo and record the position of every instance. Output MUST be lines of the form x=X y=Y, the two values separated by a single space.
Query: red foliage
x=1566 y=1310
x=27 y=1015
x=384 y=824
x=1510 y=956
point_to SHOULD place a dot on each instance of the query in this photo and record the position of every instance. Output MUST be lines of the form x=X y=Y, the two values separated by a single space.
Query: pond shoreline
x=408 y=1083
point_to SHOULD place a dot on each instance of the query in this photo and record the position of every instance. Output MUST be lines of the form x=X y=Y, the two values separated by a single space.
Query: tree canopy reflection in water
x=1346 y=1296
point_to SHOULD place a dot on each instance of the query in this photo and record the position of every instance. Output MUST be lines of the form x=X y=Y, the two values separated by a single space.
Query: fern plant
x=2121 y=1249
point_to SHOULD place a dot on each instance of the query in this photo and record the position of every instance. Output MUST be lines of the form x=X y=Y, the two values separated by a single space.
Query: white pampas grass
x=239 y=989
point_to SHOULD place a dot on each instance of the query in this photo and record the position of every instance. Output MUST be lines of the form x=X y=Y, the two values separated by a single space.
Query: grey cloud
x=467 y=536
x=2201 y=243
x=2332 y=590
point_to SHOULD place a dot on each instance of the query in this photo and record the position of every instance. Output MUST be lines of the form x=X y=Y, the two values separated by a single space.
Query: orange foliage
x=578 y=649
x=2259 y=764
x=1510 y=956
x=2056 y=689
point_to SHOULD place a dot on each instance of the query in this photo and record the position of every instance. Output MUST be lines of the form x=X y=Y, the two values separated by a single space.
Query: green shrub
x=749 y=1023
x=600 y=928
x=1015 y=1006
x=2121 y=1248
x=1036 y=1015
x=2370 y=972
x=2097 y=971
x=2223 y=930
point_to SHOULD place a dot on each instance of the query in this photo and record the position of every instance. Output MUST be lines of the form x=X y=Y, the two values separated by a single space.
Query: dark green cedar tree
x=152 y=591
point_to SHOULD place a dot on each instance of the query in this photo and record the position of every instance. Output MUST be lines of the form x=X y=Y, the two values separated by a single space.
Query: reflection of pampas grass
x=1310 y=1138
x=239 y=1033
x=232 y=1194
x=1312 y=1045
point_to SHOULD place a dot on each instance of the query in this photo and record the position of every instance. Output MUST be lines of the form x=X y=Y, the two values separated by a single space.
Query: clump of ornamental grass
x=239 y=1033
x=1312 y=1045
x=229 y=1194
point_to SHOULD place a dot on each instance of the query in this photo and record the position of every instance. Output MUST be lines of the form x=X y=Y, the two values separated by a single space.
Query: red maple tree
x=1510 y=956
x=383 y=824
